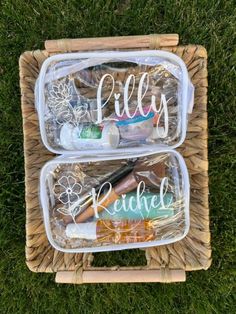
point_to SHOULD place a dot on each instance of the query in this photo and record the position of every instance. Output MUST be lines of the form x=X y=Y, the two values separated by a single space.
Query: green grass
x=24 y=25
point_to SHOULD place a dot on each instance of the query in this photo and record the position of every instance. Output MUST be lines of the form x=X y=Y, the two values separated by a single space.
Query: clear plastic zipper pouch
x=110 y=203
x=113 y=102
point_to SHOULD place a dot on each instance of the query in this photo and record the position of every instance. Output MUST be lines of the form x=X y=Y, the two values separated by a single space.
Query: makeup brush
x=86 y=199
x=151 y=175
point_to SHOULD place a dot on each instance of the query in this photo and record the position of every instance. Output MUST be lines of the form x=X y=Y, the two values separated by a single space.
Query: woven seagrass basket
x=167 y=263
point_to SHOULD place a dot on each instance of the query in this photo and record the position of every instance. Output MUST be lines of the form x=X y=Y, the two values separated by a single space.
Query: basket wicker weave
x=164 y=263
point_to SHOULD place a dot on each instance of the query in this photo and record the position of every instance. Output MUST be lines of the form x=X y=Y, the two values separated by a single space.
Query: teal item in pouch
x=127 y=208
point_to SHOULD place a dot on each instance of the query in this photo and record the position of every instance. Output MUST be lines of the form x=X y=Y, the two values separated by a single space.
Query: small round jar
x=136 y=129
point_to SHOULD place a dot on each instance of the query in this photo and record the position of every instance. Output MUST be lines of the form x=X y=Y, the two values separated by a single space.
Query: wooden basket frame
x=164 y=263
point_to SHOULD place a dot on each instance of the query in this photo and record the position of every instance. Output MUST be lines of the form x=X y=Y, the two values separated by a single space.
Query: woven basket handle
x=121 y=276
x=153 y=41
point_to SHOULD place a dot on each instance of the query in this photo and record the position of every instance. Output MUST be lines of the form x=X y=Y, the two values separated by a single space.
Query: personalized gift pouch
x=113 y=102
x=110 y=203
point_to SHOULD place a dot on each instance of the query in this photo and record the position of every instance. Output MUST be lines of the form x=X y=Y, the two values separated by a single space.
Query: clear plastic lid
x=102 y=205
x=113 y=102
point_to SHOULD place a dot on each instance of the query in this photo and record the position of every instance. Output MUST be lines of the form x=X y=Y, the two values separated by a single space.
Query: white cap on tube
x=110 y=135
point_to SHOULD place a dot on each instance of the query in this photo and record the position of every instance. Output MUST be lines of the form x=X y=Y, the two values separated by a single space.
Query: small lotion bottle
x=111 y=231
